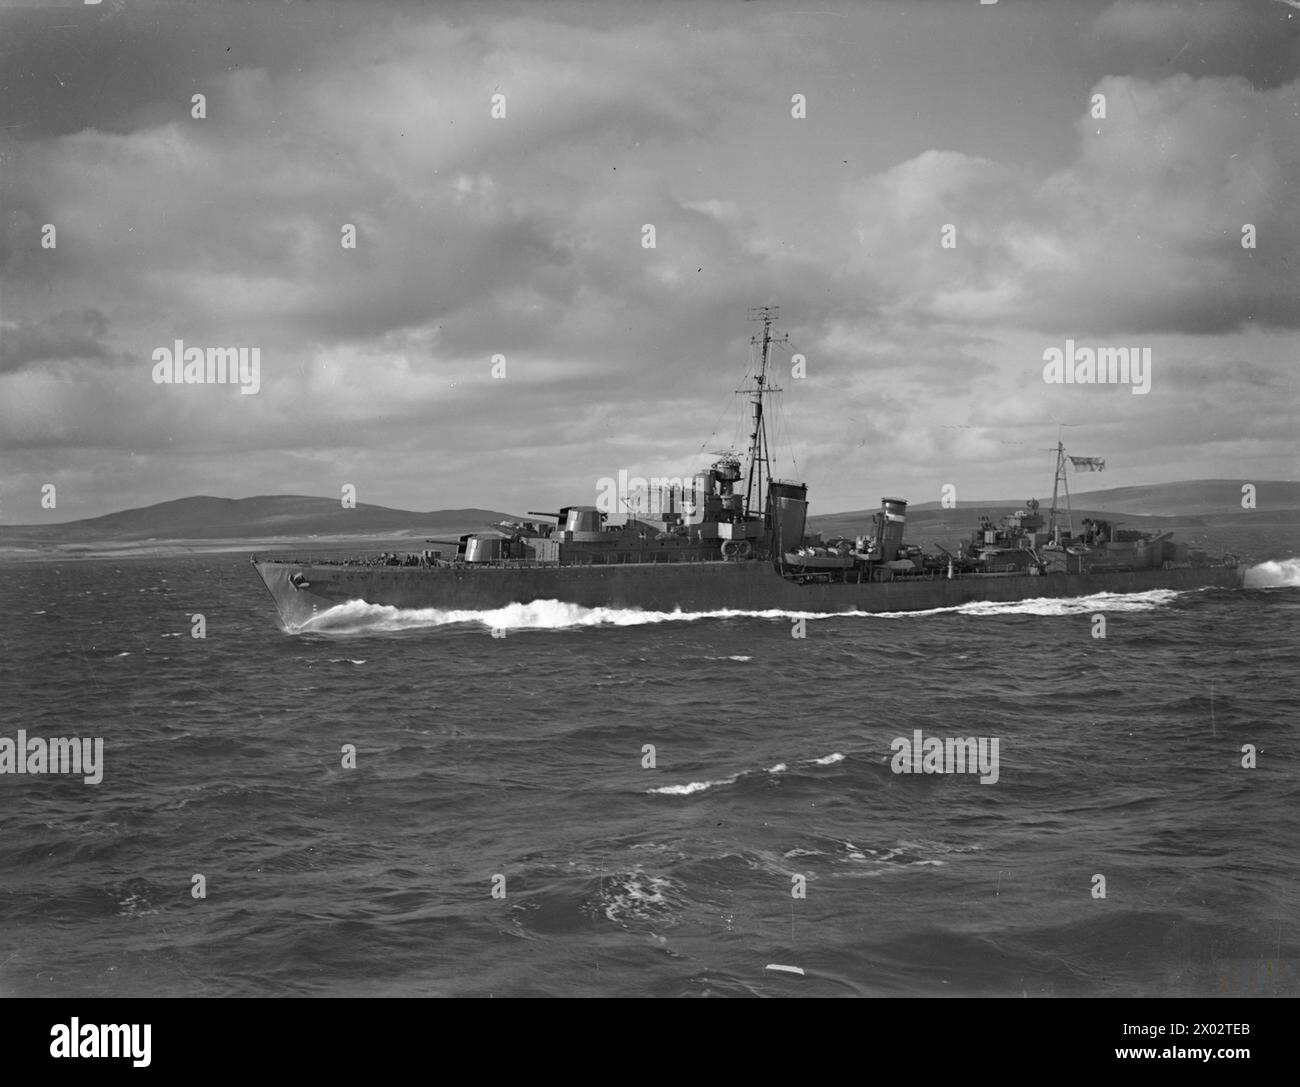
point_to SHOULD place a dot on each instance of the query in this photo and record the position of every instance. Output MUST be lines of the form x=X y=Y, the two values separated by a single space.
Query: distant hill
x=263 y=517
x=1213 y=497
x=1203 y=502
x=298 y=517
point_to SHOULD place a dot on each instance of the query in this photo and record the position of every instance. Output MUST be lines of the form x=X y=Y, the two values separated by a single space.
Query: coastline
x=168 y=548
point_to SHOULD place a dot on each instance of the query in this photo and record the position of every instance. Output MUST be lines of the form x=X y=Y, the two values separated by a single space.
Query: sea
x=554 y=801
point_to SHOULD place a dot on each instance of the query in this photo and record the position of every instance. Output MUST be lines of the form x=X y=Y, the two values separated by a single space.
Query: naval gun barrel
x=538 y=513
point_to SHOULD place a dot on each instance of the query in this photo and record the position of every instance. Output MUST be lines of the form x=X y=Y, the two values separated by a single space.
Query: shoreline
x=108 y=549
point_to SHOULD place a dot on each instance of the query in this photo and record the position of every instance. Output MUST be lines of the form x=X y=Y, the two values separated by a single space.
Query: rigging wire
x=782 y=420
x=740 y=422
x=740 y=437
x=783 y=423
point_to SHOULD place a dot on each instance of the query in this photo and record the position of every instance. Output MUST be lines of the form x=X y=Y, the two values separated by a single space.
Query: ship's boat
x=732 y=537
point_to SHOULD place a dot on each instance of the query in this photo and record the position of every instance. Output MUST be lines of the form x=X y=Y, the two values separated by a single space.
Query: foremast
x=759 y=463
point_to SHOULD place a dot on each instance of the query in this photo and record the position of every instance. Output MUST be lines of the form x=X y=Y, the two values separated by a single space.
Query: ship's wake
x=1274 y=575
x=358 y=617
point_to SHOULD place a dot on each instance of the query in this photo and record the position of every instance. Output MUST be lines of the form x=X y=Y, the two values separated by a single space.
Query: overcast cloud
x=522 y=236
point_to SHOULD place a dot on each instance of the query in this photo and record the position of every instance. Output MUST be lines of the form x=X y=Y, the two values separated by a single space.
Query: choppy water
x=521 y=756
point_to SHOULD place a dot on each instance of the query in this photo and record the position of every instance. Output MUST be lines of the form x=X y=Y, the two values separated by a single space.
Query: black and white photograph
x=749 y=498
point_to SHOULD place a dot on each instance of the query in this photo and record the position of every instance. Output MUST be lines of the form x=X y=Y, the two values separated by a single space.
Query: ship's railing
x=374 y=560
x=303 y=556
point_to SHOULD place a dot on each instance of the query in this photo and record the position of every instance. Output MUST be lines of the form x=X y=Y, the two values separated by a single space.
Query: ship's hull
x=687 y=587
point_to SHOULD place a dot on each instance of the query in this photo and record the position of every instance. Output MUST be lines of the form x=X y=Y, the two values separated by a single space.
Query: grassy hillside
x=263 y=517
x=1207 y=502
x=1192 y=498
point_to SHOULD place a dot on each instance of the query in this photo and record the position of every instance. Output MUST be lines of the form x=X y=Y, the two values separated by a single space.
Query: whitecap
x=692 y=787
x=1274 y=575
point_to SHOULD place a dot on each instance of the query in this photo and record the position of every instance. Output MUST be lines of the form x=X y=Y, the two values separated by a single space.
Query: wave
x=637 y=896
x=1049 y=605
x=693 y=786
x=1274 y=575
x=358 y=617
x=700 y=786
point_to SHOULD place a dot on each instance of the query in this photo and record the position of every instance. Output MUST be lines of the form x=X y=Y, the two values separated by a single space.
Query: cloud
x=68 y=334
x=522 y=237
x=1141 y=233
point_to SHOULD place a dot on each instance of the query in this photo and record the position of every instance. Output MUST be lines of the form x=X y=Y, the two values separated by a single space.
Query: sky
x=502 y=336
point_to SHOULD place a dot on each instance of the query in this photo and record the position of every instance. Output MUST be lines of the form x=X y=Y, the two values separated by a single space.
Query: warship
x=734 y=539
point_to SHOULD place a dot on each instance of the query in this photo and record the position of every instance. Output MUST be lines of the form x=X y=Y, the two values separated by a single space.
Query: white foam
x=699 y=786
x=636 y=896
x=357 y=616
x=1274 y=575
x=1049 y=605
x=693 y=787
